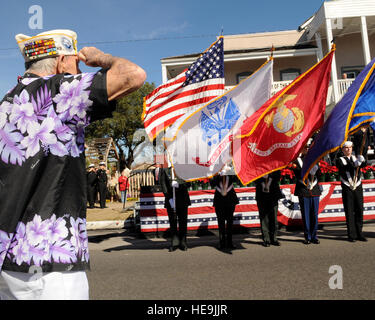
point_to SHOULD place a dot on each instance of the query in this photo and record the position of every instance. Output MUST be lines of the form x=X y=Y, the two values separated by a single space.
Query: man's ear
x=60 y=66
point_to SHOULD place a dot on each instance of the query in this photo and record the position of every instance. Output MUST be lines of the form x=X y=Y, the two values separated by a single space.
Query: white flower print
x=21 y=251
x=6 y=107
x=10 y=149
x=57 y=229
x=3 y=119
x=75 y=240
x=68 y=96
x=23 y=112
x=39 y=121
x=38 y=133
x=73 y=99
x=5 y=240
x=36 y=230
x=39 y=253
x=49 y=240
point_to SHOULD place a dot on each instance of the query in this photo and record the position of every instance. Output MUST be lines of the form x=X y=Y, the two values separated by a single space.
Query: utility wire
x=253 y=35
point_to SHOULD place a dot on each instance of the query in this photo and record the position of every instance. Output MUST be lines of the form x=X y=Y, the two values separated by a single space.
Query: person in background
x=44 y=245
x=102 y=184
x=225 y=201
x=112 y=186
x=157 y=172
x=123 y=186
x=308 y=194
x=91 y=185
x=352 y=191
x=177 y=207
x=267 y=195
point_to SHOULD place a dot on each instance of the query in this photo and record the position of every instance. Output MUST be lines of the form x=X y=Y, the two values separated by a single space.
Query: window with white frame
x=289 y=74
x=243 y=75
x=351 y=72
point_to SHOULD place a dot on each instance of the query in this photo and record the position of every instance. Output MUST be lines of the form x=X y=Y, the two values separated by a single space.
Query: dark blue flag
x=354 y=110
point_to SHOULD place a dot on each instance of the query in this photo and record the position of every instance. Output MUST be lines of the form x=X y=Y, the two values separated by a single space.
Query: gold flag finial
x=272 y=50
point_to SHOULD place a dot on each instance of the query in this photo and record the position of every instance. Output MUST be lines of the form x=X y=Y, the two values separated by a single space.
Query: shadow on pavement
x=204 y=237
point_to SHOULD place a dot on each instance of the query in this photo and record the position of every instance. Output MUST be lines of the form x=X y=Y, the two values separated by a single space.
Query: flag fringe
x=283 y=93
x=213 y=100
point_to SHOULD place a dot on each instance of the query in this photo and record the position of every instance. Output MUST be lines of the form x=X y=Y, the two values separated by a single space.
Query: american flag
x=191 y=89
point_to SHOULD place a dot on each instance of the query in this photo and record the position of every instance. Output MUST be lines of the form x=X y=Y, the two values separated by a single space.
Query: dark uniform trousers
x=102 y=185
x=224 y=214
x=353 y=206
x=352 y=199
x=91 y=188
x=224 y=208
x=308 y=200
x=268 y=220
x=178 y=236
x=309 y=207
x=178 y=218
x=267 y=203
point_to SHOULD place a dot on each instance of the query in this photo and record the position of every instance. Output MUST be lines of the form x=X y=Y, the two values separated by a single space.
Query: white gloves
x=171 y=202
x=314 y=170
x=359 y=161
x=175 y=184
x=225 y=171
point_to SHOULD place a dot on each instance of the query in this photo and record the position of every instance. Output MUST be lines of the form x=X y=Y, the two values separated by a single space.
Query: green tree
x=122 y=126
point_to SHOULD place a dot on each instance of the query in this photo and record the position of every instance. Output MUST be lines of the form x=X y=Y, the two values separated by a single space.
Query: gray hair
x=47 y=65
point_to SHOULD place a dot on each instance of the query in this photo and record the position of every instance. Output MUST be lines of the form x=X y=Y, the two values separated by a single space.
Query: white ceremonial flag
x=198 y=144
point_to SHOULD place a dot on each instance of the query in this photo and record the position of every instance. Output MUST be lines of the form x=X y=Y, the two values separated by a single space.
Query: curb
x=109 y=224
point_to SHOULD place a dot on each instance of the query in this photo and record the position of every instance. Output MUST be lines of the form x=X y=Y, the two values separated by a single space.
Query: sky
x=144 y=31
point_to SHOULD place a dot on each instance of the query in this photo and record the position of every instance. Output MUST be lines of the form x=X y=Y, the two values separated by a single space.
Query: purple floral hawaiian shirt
x=42 y=170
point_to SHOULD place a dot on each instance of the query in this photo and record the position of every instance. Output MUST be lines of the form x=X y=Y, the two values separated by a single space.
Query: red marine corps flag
x=273 y=136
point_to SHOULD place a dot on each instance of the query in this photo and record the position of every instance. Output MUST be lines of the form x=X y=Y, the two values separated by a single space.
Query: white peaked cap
x=47 y=44
x=348 y=144
x=102 y=163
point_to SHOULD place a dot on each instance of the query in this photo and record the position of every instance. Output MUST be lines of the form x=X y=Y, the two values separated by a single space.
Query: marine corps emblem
x=288 y=121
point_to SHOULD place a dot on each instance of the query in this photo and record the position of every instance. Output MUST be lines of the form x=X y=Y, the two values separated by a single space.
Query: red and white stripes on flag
x=194 y=87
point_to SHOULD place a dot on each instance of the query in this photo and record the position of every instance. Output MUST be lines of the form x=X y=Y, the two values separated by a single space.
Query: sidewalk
x=112 y=217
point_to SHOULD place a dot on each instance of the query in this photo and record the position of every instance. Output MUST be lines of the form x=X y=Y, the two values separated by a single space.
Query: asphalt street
x=126 y=267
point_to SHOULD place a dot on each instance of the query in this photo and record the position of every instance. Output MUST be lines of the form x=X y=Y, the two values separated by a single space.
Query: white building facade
x=350 y=24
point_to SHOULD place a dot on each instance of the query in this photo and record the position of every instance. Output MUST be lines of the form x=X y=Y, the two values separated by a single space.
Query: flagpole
x=360 y=152
x=174 y=191
x=272 y=50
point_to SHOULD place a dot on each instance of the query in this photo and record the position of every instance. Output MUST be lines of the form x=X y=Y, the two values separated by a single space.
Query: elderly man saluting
x=43 y=238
